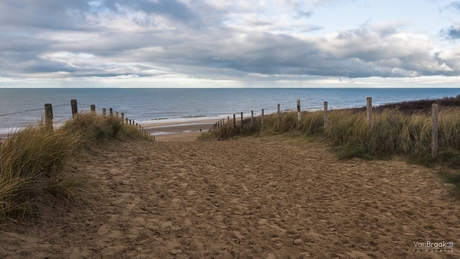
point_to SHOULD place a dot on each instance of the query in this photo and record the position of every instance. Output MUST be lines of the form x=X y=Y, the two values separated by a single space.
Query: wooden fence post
x=262 y=119
x=73 y=105
x=126 y=120
x=325 y=116
x=434 y=145
x=103 y=112
x=298 y=110
x=110 y=112
x=116 y=114
x=241 y=120
x=122 y=117
x=252 y=118
x=49 y=116
x=369 y=111
x=278 y=120
x=93 y=108
x=234 y=121
x=228 y=119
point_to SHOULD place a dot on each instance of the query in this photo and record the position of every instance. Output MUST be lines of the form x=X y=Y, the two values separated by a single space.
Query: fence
x=48 y=115
x=434 y=111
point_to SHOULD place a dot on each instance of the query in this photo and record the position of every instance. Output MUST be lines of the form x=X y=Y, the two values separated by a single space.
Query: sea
x=20 y=107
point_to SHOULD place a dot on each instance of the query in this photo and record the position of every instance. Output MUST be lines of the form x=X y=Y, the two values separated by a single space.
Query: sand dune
x=245 y=198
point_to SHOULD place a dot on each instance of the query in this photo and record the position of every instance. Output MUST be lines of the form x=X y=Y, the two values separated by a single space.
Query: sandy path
x=246 y=198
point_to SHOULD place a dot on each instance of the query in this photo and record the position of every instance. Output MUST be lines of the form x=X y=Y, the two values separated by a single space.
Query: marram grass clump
x=392 y=132
x=33 y=161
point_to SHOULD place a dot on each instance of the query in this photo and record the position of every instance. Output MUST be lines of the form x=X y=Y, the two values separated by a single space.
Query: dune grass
x=393 y=132
x=402 y=132
x=33 y=161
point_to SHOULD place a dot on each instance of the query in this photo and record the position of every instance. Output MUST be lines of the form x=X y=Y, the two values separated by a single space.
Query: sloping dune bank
x=245 y=198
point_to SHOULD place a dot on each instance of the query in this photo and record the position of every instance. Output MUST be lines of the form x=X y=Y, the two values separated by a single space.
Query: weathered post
x=130 y=122
x=122 y=117
x=369 y=111
x=110 y=112
x=262 y=120
x=103 y=112
x=325 y=116
x=252 y=118
x=116 y=114
x=93 y=108
x=434 y=145
x=278 y=120
x=73 y=105
x=126 y=121
x=234 y=121
x=241 y=120
x=49 y=116
x=228 y=119
x=298 y=110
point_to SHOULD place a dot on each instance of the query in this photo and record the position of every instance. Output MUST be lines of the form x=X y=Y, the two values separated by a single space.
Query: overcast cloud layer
x=228 y=43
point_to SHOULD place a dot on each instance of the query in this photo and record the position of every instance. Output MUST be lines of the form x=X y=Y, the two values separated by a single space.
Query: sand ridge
x=245 y=198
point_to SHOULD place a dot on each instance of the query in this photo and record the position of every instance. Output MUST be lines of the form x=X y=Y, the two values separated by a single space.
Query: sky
x=203 y=43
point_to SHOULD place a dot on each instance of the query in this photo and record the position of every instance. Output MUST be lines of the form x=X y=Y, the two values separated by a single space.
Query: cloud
x=225 y=40
x=455 y=6
x=172 y=8
x=49 y=14
x=304 y=14
x=452 y=33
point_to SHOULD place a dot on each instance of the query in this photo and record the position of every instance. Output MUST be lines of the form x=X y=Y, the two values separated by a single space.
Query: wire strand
x=31 y=110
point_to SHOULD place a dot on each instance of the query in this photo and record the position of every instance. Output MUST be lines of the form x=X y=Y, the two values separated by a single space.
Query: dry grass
x=33 y=161
x=393 y=132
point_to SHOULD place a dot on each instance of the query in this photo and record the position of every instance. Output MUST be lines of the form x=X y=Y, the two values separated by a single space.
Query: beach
x=271 y=197
x=184 y=130
x=178 y=131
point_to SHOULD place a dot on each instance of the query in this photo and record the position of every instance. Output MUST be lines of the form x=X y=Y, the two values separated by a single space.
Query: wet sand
x=179 y=131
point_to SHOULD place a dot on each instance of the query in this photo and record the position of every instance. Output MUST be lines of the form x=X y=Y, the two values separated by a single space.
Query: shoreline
x=168 y=130
x=178 y=131
x=164 y=129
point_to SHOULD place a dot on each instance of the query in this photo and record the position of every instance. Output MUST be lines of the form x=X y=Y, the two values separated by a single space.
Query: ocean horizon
x=20 y=107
